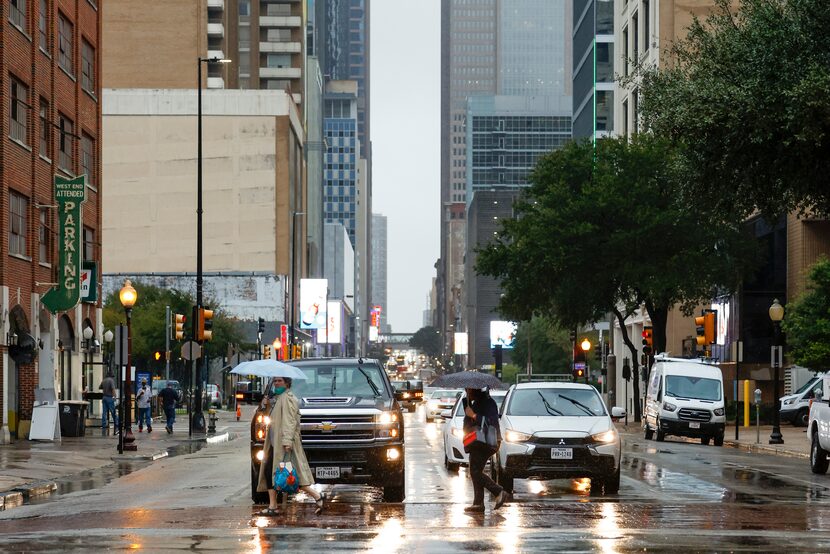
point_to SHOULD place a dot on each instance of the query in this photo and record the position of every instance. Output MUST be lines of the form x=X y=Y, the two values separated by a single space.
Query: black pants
x=478 y=458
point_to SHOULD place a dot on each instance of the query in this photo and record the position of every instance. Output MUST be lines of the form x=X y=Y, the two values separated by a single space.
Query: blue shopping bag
x=285 y=477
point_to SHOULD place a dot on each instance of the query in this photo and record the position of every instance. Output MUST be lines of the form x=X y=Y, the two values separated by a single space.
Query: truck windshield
x=699 y=388
x=806 y=385
x=340 y=381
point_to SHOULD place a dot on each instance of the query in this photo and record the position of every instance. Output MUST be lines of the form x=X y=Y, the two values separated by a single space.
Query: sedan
x=440 y=400
x=454 y=455
x=558 y=431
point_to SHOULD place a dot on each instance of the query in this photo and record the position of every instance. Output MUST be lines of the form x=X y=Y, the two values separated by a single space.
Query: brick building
x=51 y=126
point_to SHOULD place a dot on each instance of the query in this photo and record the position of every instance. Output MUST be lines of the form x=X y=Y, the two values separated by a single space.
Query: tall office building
x=378 y=288
x=593 y=68
x=341 y=156
x=505 y=61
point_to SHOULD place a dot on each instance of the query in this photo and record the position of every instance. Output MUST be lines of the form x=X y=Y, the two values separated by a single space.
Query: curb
x=10 y=499
x=36 y=488
x=765 y=449
x=152 y=456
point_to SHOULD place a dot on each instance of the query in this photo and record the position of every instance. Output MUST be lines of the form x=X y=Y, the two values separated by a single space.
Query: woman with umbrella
x=282 y=441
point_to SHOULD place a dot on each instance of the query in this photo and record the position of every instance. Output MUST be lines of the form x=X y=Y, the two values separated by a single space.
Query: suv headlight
x=669 y=407
x=386 y=418
x=605 y=437
x=458 y=432
x=263 y=419
x=516 y=436
x=719 y=411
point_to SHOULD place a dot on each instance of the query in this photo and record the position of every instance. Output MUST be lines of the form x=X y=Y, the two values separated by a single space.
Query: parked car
x=795 y=408
x=213 y=395
x=350 y=423
x=159 y=384
x=453 y=431
x=685 y=398
x=440 y=400
x=556 y=430
x=818 y=426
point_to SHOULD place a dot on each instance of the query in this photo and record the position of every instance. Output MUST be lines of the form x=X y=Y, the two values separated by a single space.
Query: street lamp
x=88 y=350
x=776 y=314
x=108 y=336
x=586 y=346
x=198 y=415
x=126 y=441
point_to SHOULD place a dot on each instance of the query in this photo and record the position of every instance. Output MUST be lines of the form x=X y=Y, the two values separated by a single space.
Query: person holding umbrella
x=283 y=442
x=479 y=408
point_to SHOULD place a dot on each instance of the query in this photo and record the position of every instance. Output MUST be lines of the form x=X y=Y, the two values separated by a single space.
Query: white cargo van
x=795 y=408
x=684 y=398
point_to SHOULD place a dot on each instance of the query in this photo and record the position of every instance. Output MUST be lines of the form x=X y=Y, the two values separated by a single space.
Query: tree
x=807 y=322
x=428 y=340
x=549 y=347
x=149 y=327
x=746 y=98
x=602 y=230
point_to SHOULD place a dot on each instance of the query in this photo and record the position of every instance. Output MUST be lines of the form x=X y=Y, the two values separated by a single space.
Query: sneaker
x=169 y=429
x=140 y=430
x=149 y=429
x=474 y=509
x=503 y=497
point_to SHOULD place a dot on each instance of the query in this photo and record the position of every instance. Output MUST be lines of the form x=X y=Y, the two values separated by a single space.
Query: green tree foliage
x=428 y=340
x=149 y=327
x=746 y=97
x=602 y=230
x=807 y=321
x=550 y=347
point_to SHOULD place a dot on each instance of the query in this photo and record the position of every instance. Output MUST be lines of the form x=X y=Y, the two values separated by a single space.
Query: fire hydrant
x=212 y=417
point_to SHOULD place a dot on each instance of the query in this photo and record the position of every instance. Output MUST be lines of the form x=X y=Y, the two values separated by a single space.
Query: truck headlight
x=259 y=455
x=605 y=437
x=669 y=407
x=385 y=418
x=719 y=411
x=516 y=436
x=262 y=418
x=392 y=454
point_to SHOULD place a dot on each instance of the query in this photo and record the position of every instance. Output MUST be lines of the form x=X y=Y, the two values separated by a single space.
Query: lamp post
x=199 y=287
x=586 y=346
x=108 y=336
x=776 y=314
x=127 y=295
x=293 y=274
x=88 y=350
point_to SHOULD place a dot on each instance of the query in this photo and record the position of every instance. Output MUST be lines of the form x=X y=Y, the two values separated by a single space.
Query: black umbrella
x=468 y=380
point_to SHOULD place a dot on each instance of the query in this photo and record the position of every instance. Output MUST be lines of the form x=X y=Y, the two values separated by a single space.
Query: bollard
x=746 y=403
x=212 y=420
x=757 y=416
x=238 y=411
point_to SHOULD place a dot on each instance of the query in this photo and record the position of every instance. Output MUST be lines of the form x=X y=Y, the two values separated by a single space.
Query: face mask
x=278 y=390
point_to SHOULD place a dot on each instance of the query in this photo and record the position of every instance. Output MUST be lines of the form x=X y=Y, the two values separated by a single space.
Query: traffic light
x=648 y=340
x=298 y=351
x=177 y=329
x=498 y=359
x=266 y=351
x=261 y=326
x=205 y=324
x=600 y=351
x=705 y=327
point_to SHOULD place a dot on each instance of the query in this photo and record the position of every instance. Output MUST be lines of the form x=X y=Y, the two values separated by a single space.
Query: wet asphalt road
x=674 y=496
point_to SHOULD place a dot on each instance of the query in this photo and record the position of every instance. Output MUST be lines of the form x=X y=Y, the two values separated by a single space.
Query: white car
x=454 y=455
x=440 y=400
x=556 y=431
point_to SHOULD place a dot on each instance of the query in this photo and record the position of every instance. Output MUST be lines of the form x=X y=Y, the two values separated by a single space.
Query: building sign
x=722 y=321
x=283 y=342
x=89 y=282
x=374 y=324
x=333 y=328
x=502 y=333
x=313 y=294
x=461 y=342
x=373 y=334
x=69 y=195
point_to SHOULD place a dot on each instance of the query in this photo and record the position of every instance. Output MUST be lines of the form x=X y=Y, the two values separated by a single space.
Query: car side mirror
x=819 y=395
x=446 y=414
x=617 y=412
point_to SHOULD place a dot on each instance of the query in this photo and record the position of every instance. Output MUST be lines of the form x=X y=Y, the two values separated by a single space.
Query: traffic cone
x=238 y=412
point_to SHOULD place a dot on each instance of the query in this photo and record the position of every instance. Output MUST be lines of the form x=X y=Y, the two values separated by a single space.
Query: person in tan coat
x=282 y=442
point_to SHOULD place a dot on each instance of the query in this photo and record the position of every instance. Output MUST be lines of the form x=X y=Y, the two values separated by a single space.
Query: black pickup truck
x=351 y=426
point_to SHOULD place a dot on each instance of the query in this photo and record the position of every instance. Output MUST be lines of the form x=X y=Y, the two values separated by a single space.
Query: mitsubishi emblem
x=561 y=441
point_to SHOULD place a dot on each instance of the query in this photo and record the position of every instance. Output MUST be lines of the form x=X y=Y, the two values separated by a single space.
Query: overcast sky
x=405 y=69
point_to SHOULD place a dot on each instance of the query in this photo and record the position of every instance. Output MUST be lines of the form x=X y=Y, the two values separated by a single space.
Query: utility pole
x=167 y=342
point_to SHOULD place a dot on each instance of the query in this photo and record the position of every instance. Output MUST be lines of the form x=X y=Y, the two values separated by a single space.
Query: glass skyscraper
x=340 y=131
x=593 y=68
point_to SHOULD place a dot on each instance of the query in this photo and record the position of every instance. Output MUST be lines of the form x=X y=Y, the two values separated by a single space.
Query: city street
x=674 y=496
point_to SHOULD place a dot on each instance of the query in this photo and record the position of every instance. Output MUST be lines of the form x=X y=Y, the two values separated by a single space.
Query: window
x=18 y=208
x=88 y=158
x=65 y=154
x=87 y=67
x=45 y=130
x=65 y=32
x=89 y=244
x=43 y=26
x=625 y=118
x=18 y=110
x=625 y=51
x=17 y=13
x=44 y=238
x=646 y=25
x=635 y=38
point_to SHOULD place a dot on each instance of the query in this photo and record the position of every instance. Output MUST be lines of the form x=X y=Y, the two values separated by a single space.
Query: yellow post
x=746 y=402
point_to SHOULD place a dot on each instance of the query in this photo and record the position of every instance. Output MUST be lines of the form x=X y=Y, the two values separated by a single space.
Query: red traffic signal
x=648 y=340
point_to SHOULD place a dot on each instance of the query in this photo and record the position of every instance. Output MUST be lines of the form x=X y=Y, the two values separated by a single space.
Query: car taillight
x=239 y=396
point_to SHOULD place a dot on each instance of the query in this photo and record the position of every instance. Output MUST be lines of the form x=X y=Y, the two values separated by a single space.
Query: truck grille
x=691 y=414
x=334 y=428
x=328 y=400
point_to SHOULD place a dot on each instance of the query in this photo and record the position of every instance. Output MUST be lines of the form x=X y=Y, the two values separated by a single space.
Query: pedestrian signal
x=578 y=373
x=157 y=355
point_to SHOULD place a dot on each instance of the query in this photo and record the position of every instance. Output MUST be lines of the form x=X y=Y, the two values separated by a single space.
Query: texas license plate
x=327 y=472
x=562 y=453
x=694 y=425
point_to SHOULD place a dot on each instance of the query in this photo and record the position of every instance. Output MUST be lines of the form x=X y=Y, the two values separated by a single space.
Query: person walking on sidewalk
x=168 y=402
x=142 y=400
x=107 y=388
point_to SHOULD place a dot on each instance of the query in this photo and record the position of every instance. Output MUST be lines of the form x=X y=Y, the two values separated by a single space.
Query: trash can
x=73 y=418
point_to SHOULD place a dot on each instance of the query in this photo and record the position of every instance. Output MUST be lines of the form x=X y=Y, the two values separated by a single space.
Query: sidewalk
x=32 y=468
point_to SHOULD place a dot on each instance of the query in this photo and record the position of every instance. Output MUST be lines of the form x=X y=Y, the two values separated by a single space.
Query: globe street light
x=128 y=296
x=776 y=314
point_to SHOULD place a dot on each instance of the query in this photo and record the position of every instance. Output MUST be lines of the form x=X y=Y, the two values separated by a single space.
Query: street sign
x=191 y=350
x=579 y=365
